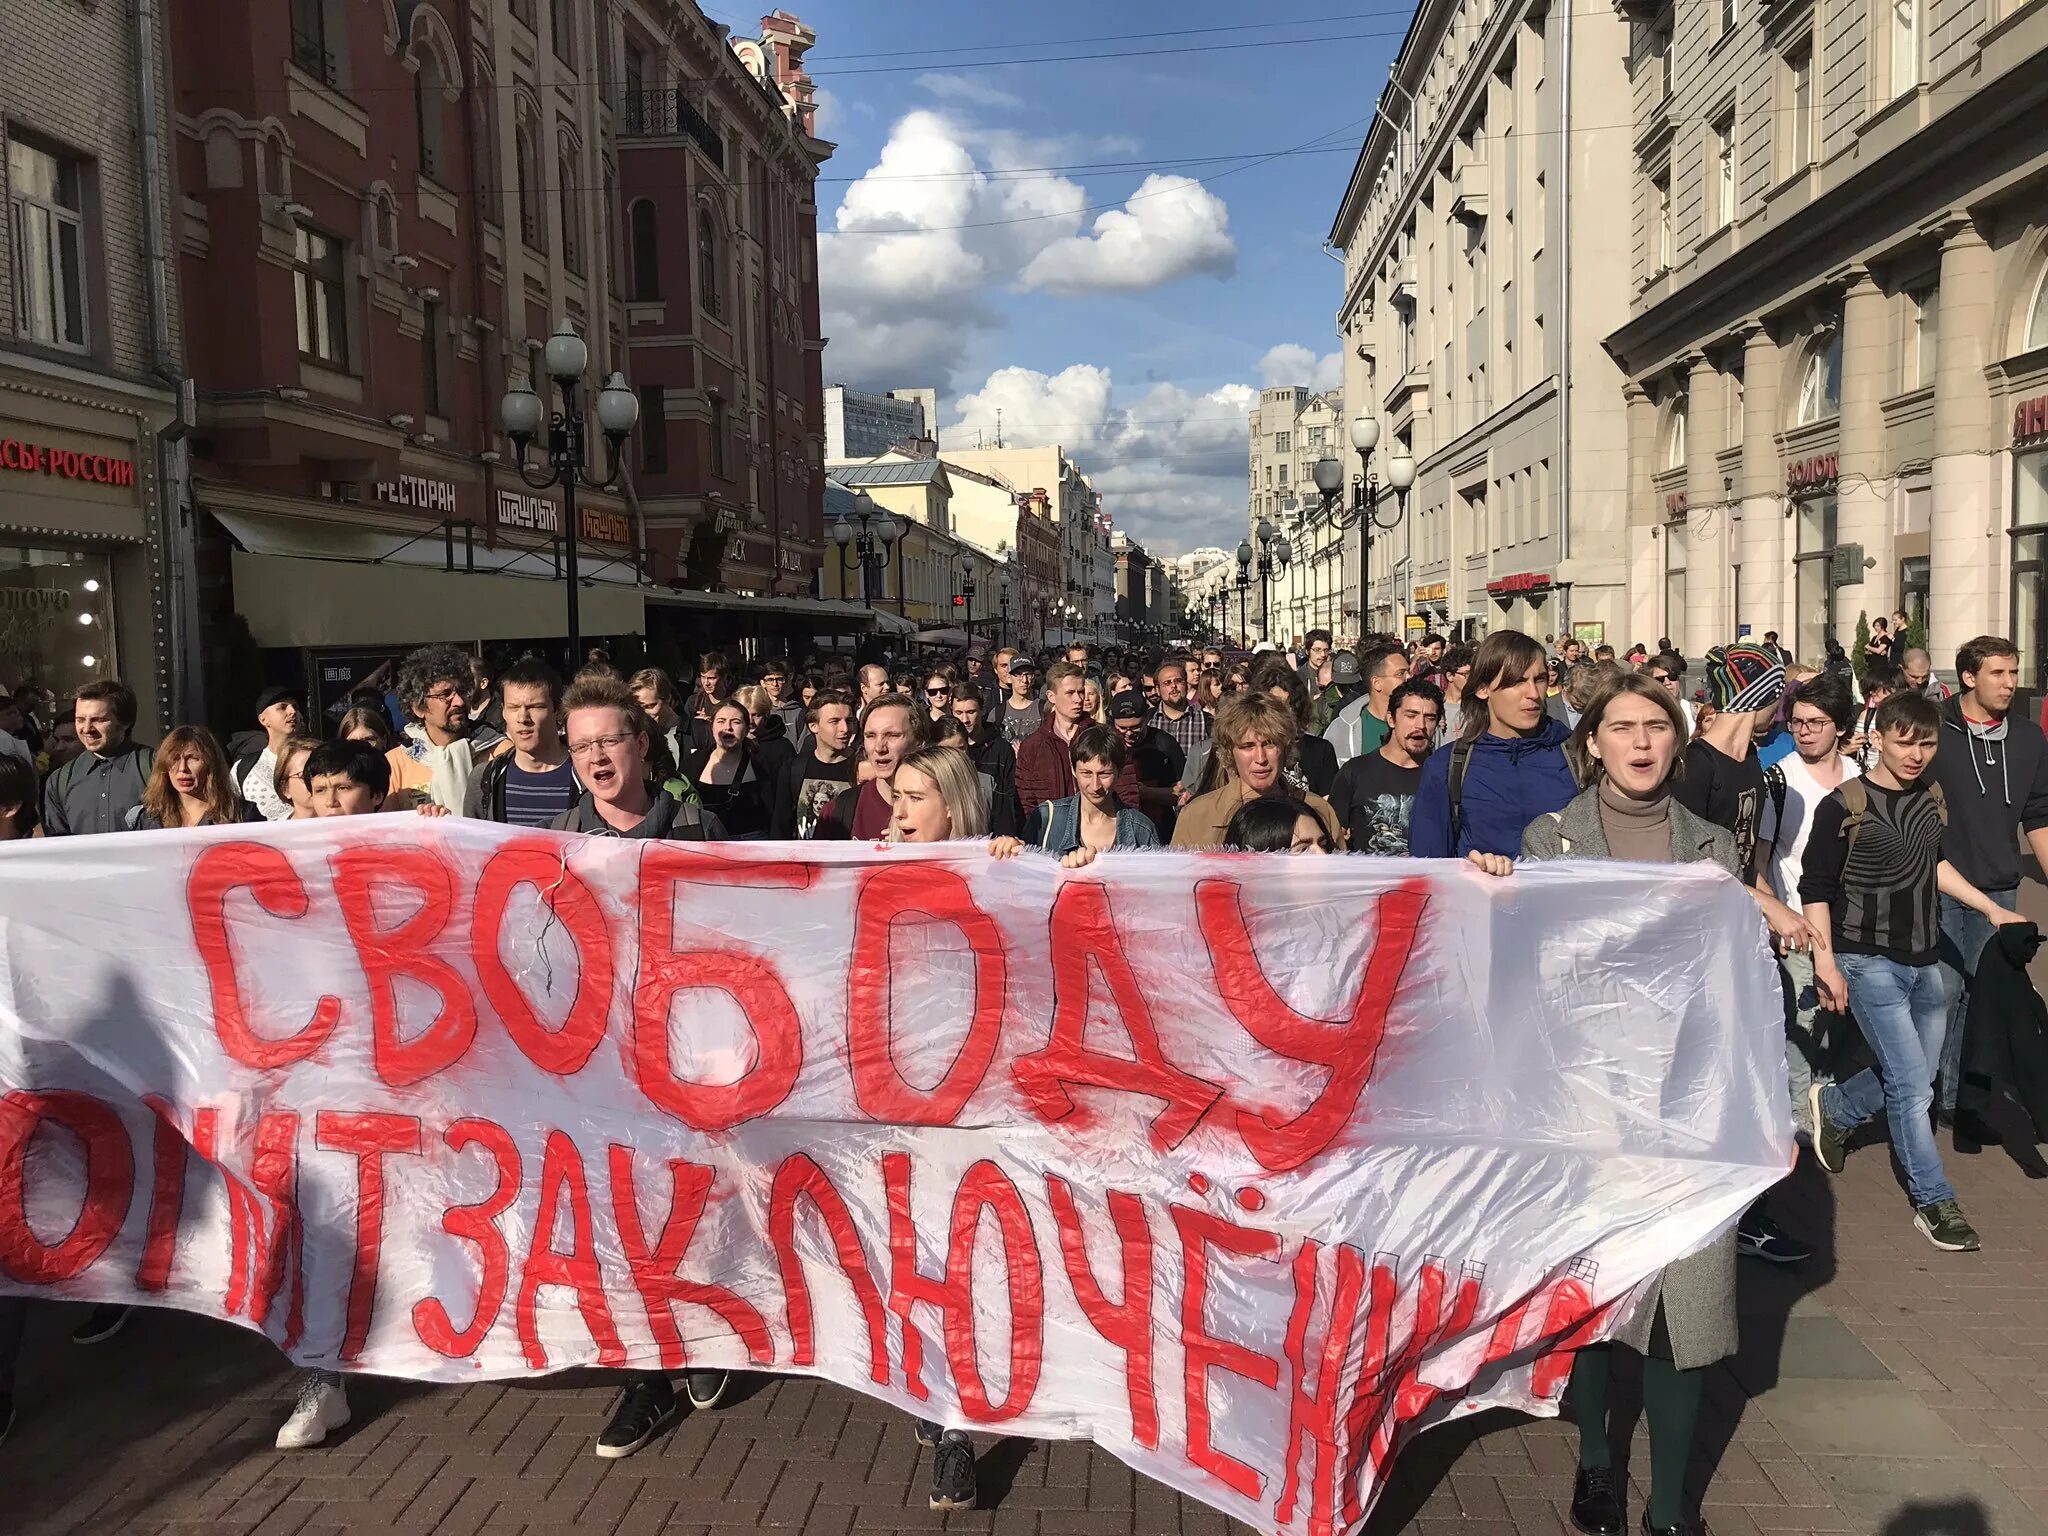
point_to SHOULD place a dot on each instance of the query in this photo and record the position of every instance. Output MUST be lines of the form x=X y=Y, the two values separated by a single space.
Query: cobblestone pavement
x=1883 y=1388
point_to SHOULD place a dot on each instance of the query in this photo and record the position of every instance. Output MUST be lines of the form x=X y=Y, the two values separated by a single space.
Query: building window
x=1317 y=436
x=565 y=193
x=1905 y=45
x=1674 y=435
x=1922 y=338
x=1283 y=442
x=633 y=88
x=430 y=114
x=1731 y=16
x=646 y=238
x=1721 y=173
x=1814 y=586
x=1820 y=383
x=484 y=115
x=710 y=291
x=1660 y=198
x=562 y=19
x=430 y=358
x=653 y=429
x=48 y=202
x=522 y=12
x=322 y=296
x=1283 y=477
x=313 y=39
x=1800 y=137
x=1664 y=40
x=1675 y=554
x=2037 y=321
x=533 y=219
x=721 y=424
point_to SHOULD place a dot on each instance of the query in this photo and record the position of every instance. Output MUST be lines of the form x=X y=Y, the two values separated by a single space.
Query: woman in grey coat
x=1628 y=747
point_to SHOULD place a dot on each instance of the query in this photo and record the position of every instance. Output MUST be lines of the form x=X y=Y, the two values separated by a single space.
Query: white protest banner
x=1242 y=1166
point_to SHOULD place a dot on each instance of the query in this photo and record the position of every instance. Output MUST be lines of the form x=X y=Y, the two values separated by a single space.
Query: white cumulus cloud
x=1172 y=227
x=1169 y=462
x=969 y=89
x=1292 y=363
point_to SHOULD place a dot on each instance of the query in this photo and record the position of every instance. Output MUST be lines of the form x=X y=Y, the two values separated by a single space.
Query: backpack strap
x=1774 y=782
x=1855 y=807
x=1454 y=783
x=1940 y=801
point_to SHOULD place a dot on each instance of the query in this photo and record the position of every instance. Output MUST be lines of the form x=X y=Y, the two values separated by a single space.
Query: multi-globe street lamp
x=1362 y=511
x=869 y=536
x=1271 y=557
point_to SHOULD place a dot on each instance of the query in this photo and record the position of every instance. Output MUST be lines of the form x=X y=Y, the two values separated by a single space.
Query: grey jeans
x=1805 y=1023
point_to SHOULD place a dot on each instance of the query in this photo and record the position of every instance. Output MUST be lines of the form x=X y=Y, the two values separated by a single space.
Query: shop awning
x=841 y=615
x=301 y=583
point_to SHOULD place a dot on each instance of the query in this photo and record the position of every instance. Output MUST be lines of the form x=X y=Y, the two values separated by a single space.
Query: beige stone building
x=1290 y=429
x=1837 y=342
x=1481 y=270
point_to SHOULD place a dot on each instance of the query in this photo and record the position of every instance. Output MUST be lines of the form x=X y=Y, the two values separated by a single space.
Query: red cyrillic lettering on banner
x=750 y=980
x=656 y=1271
x=987 y=1187
x=477 y=1224
x=908 y=1284
x=1084 y=929
x=103 y=1203
x=1202 y=1352
x=1388 y=1393
x=562 y=1182
x=368 y=1137
x=934 y=894
x=1126 y=1323
x=166 y=1196
x=542 y=865
x=205 y=1138
x=799 y=1178
x=270 y=878
x=1572 y=1321
x=386 y=954
x=256 y=1256
x=1348 y=1051
x=1312 y=1415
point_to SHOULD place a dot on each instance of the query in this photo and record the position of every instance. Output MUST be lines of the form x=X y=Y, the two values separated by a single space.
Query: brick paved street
x=1886 y=1389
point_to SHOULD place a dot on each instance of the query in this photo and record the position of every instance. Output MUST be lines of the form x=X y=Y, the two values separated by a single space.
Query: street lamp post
x=1271 y=557
x=967 y=594
x=1363 y=511
x=1003 y=609
x=871 y=543
x=1244 y=587
x=521 y=413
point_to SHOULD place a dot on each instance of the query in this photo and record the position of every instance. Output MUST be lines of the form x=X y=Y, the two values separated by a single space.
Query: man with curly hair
x=442 y=747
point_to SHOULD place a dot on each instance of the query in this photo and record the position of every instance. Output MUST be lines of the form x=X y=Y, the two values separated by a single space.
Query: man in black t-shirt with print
x=1375 y=791
x=1723 y=783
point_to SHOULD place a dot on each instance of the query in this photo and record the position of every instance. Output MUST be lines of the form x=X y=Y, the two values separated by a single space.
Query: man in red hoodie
x=1045 y=768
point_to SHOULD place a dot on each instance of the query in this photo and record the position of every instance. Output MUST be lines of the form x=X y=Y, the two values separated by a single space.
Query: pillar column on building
x=1708 y=554
x=1864 y=498
x=1760 y=487
x=1968 y=553
x=1645 y=516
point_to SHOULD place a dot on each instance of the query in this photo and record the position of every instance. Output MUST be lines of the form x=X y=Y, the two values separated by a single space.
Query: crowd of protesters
x=1875 y=815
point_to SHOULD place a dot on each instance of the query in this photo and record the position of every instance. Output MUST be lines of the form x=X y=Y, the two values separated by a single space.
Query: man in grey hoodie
x=1992 y=767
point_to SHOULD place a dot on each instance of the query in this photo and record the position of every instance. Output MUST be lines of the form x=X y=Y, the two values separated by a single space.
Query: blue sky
x=1128 y=304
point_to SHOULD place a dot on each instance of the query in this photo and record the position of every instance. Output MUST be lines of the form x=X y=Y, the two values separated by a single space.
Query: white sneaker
x=322 y=1407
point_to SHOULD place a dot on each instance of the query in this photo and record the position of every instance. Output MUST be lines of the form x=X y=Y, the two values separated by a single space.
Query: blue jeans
x=1901 y=1010
x=1963 y=936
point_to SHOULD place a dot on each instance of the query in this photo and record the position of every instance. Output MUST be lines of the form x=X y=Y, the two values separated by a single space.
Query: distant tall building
x=859 y=425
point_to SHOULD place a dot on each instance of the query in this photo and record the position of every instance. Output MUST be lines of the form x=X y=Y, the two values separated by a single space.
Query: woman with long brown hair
x=189 y=786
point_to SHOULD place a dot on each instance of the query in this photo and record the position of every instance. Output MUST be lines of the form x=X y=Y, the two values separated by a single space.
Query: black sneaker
x=1830 y=1142
x=1944 y=1225
x=101 y=1324
x=953 y=1472
x=1759 y=1237
x=1683 y=1528
x=707 y=1388
x=929 y=1432
x=6 y=1415
x=645 y=1409
x=1596 y=1502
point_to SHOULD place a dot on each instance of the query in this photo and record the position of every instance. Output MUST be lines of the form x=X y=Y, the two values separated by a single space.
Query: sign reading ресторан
x=41 y=459
x=536 y=514
x=419 y=493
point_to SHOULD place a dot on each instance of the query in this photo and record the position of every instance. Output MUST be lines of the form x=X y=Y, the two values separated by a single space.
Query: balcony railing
x=664 y=113
x=310 y=54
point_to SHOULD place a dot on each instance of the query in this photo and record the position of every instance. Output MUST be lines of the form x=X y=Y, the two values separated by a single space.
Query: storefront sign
x=1676 y=505
x=41 y=459
x=603 y=527
x=1520 y=582
x=2030 y=420
x=1817 y=473
x=34 y=600
x=533 y=513
x=1434 y=592
x=419 y=493
x=735 y=551
x=1845 y=565
x=1414 y=624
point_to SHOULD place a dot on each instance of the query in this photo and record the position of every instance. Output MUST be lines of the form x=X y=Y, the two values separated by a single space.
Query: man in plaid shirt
x=1178 y=715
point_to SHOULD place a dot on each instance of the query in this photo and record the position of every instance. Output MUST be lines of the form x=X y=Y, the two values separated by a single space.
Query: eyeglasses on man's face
x=597 y=744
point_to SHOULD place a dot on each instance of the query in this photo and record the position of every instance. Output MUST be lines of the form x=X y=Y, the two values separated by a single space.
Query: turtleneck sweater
x=1637 y=830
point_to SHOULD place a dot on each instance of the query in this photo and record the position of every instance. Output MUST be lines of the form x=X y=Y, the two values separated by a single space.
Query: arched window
x=483 y=107
x=1674 y=435
x=533 y=222
x=646 y=243
x=710 y=288
x=2037 y=318
x=565 y=193
x=1820 y=381
x=430 y=112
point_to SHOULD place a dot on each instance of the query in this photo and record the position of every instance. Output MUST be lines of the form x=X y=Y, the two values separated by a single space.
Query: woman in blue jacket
x=1507 y=765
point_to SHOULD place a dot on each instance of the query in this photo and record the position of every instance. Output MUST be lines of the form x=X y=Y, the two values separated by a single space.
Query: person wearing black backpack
x=1874 y=866
x=96 y=790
